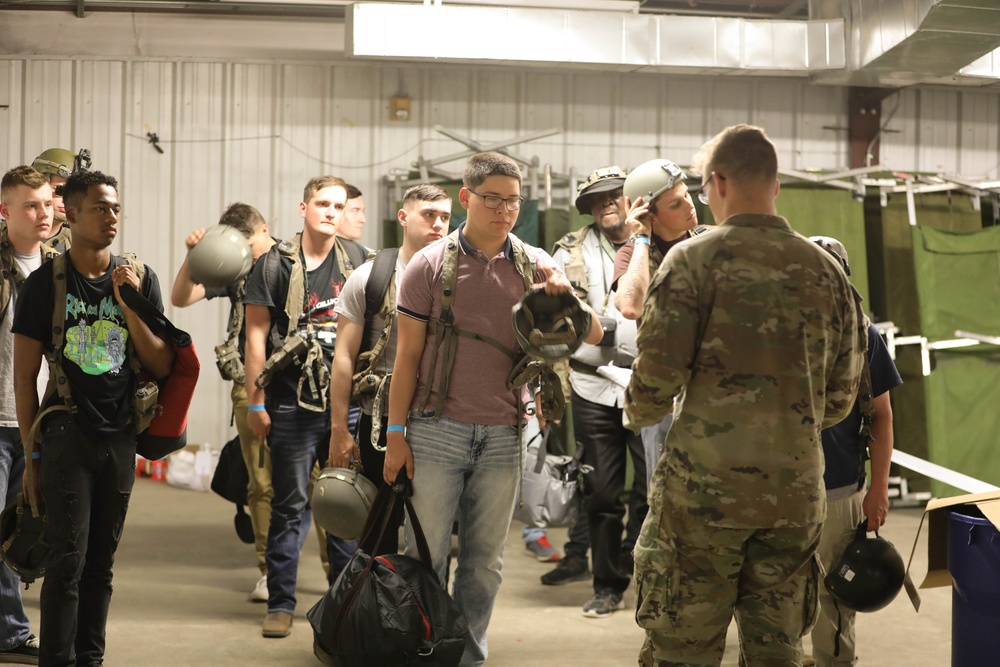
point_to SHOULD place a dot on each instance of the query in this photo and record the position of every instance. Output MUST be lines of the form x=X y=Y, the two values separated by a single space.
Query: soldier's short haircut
x=740 y=152
x=23 y=175
x=353 y=192
x=425 y=192
x=483 y=165
x=244 y=218
x=74 y=190
x=317 y=183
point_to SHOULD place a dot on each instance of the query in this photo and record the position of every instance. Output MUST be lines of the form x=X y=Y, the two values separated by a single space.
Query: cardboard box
x=936 y=518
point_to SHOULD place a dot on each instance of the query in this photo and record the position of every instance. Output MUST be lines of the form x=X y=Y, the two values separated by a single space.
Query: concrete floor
x=182 y=579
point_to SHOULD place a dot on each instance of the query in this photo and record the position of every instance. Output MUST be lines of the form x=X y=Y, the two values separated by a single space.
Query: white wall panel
x=99 y=115
x=249 y=152
x=11 y=113
x=821 y=140
x=939 y=130
x=980 y=139
x=48 y=106
x=899 y=143
x=685 y=119
x=256 y=132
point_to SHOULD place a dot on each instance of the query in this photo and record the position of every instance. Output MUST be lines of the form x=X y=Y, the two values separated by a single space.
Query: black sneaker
x=24 y=654
x=570 y=568
x=604 y=603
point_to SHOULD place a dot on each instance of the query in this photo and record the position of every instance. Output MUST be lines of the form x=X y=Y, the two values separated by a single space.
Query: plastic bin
x=974 y=564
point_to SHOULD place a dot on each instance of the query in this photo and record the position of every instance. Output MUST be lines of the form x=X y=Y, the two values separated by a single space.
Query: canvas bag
x=389 y=610
x=549 y=486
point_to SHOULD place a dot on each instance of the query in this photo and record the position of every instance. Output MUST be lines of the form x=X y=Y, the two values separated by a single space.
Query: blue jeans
x=298 y=439
x=13 y=622
x=467 y=472
x=86 y=481
x=653 y=438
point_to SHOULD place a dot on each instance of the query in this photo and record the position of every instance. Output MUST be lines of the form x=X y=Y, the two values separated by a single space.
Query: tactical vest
x=63 y=239
x=301 y=347
x=447 y=335
x=576 y=268
x=11 y=277
x=380 y=299
x=145 y=402
x=227 y=355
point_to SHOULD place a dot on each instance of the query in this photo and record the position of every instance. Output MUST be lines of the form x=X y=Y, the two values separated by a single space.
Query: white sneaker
x=259 y=593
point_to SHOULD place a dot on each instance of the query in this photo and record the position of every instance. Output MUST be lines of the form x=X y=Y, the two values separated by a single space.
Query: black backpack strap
x=383 y=269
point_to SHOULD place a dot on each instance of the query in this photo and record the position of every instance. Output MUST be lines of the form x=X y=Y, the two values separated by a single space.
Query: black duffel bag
x=230 y=481
x=389 y=610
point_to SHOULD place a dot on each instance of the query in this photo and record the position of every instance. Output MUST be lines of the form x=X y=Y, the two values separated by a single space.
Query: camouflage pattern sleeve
x=845 y=376
x=667 y=345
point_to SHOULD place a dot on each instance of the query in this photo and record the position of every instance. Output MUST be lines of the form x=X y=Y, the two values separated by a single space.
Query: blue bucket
x=974 y=564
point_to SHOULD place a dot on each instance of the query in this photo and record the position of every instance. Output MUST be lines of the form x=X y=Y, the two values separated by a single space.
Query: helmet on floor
x=651 y=179
x=341 y=501
x=22 y=540
x=550 y=326
x=868 y=575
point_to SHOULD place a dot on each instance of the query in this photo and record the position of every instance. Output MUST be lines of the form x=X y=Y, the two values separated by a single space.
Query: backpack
x=380 y=297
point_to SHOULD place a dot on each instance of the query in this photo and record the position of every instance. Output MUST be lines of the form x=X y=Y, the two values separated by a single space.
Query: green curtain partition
x=894 y=281
x=824 y=211
x=958 y=286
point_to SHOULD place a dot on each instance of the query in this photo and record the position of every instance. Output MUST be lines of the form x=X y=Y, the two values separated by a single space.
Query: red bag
x=167 y=433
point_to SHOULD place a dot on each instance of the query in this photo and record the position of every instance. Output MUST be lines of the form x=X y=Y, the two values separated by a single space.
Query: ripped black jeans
x=86 y=480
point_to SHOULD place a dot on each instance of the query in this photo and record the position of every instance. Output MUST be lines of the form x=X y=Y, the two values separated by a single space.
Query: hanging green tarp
x=963 y=422
x=958 y=286
x=958 y=281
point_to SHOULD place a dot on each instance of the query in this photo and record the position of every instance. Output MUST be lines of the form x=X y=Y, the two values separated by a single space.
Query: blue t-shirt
x=842 y=446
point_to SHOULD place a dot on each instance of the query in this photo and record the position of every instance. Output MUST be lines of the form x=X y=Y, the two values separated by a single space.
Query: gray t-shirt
x=351 y=304
x=8 y=412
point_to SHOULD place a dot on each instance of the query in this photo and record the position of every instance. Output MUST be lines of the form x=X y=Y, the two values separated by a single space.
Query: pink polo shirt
x=486 y=291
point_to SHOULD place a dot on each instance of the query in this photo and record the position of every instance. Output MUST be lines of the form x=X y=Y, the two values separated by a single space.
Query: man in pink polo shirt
x=453 y=421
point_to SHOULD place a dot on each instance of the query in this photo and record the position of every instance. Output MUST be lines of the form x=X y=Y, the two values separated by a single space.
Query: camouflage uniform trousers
x=690 y=579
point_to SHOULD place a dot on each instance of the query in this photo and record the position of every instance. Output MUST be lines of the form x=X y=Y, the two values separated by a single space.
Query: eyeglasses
x=703 y=196
x=602 y=199
x=493 y=202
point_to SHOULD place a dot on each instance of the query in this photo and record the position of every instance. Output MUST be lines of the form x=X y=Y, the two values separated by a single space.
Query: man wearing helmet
x=57 y=165
x=661 y=214
x=587 y=256
x=847 y=503
x=756 y=331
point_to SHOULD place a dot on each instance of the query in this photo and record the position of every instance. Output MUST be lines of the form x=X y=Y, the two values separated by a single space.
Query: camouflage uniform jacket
x=755 y=329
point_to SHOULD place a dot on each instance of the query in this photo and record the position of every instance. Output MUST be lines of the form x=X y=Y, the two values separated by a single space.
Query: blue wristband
x=36 y=455
x=641 y=238
x=255 y=408
x=395 y=428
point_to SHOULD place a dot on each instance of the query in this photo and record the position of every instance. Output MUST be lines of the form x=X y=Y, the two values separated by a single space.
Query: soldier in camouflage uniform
x=757 y=335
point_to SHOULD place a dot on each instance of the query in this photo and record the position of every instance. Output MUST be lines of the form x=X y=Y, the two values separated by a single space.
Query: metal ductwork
x=897 y=42
x=605 y=40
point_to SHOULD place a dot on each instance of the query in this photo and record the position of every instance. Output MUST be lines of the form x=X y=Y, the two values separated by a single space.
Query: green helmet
x=55 y=162
x=651 y=179
x=835 y=248
x=341 y=501
x=221 y=257
x=550 y=326
x=600 y=180
x=22 y=541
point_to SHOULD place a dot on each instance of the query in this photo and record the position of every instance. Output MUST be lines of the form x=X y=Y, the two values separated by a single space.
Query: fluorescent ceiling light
x=631 y=6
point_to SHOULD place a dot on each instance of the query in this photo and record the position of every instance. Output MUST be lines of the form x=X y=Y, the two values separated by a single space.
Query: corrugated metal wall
x=256 y=132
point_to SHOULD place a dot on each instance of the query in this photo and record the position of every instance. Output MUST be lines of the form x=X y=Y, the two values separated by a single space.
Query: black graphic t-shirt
x=269 y=287
x=95 y=349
